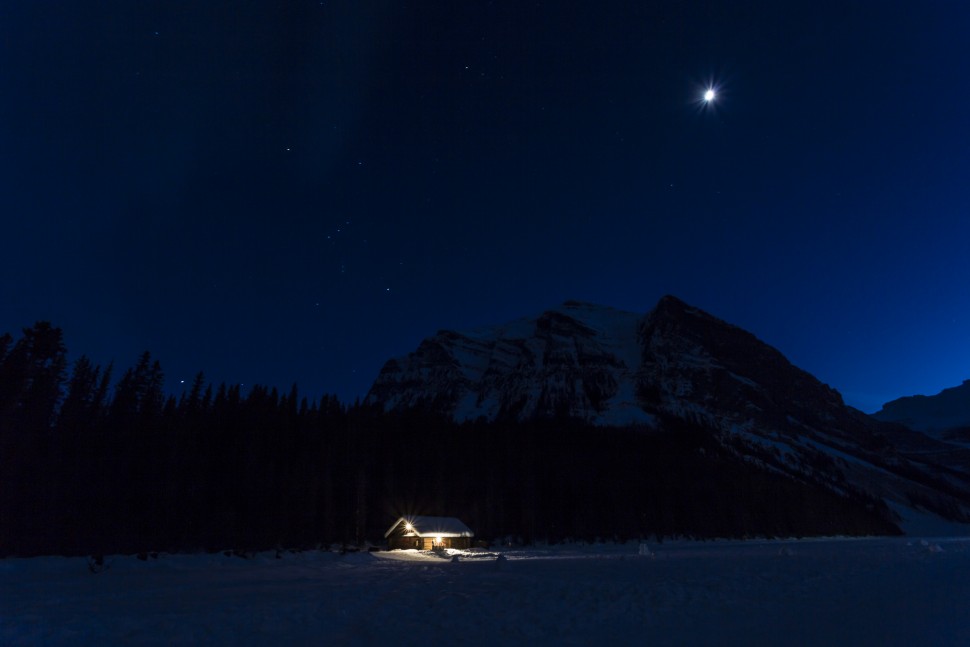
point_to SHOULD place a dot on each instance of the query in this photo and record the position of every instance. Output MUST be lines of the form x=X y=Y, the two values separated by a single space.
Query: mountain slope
x=676 y=367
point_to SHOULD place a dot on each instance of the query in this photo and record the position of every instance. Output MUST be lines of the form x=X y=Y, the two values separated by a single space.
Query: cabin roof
x=431 y=527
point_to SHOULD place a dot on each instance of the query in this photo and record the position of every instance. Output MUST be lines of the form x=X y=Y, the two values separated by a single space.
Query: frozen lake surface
x=900 y=591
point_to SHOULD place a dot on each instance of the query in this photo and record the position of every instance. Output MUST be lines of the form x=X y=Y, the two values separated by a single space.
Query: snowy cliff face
x=578 y=360
x=945 y=415
x=676 y=367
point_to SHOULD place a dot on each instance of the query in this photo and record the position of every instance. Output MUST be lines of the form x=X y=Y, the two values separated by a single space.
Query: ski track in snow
x=900 y=591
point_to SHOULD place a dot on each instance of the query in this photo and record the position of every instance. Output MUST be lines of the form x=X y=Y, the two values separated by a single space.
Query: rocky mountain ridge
x=945 y=416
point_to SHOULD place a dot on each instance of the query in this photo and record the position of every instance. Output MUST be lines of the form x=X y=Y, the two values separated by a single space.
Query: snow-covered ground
x=811 y=592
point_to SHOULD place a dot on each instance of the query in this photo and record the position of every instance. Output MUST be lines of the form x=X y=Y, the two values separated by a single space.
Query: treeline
x=90 y=465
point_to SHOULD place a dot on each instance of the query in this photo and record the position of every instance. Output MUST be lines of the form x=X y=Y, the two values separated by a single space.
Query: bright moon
x=709 y=96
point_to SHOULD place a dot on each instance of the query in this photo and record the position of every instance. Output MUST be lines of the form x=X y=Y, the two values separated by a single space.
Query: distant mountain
x=945 y=415
x=676 y=366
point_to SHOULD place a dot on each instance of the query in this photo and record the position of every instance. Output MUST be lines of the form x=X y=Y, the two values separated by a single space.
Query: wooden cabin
x=428 y=533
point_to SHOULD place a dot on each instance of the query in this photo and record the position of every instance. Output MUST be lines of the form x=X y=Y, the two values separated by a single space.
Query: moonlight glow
x=709 y=95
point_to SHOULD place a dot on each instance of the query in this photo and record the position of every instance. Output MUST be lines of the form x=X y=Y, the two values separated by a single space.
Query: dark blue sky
x=295 y=191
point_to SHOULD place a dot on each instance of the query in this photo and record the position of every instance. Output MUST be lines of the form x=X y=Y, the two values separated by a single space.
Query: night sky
x=295 y=191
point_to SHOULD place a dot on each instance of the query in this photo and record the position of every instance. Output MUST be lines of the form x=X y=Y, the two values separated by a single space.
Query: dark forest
x=94 y=465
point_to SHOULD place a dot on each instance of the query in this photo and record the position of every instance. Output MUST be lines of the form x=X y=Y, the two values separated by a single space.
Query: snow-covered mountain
x=945 y=415
x=676 y=367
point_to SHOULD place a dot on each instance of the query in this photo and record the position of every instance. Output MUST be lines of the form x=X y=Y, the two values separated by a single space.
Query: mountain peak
x=670 y=301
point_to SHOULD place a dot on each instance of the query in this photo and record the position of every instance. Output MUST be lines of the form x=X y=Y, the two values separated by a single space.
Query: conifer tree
x=31 y=377
x=138 y=391
x=192 y=403
x=78 y=412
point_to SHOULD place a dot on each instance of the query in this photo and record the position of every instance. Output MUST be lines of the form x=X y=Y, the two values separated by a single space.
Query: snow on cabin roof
x=432 y=527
